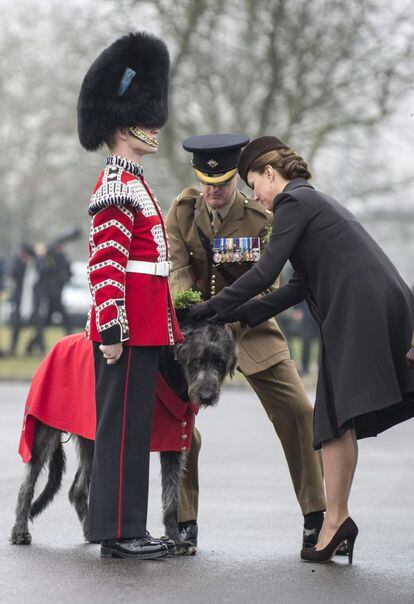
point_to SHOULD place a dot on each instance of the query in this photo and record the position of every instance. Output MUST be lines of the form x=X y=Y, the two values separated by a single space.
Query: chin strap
x=143 y=136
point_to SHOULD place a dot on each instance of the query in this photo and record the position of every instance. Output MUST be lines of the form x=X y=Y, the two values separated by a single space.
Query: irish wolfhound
x=194 y=370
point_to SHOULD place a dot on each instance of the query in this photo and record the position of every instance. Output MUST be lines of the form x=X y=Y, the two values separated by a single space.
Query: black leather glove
x=231 y=317
x=200 y=311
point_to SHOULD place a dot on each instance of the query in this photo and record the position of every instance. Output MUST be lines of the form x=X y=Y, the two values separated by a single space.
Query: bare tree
x=319 y=73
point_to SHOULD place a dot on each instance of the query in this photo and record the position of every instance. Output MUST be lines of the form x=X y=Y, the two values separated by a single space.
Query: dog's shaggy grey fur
x=195 y=371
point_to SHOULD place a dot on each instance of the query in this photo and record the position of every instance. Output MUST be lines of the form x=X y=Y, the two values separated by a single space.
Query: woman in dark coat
x=364 y=309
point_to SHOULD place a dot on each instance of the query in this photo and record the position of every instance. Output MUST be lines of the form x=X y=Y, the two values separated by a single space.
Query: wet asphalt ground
x=250 y=525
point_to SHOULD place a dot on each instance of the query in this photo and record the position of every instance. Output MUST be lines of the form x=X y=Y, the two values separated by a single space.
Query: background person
x=24 y=275
x=57 y=275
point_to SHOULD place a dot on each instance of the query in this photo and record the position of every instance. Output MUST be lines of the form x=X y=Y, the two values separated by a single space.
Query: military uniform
x=131 y=303
x=263 y=353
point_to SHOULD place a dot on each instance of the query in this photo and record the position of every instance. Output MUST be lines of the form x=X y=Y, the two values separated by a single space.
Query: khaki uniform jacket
x=260 y=347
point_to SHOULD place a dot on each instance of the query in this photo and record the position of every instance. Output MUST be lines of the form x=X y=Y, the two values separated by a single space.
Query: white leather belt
x=159 y=269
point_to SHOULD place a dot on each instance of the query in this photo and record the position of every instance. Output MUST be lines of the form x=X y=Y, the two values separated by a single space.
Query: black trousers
x=125 y=395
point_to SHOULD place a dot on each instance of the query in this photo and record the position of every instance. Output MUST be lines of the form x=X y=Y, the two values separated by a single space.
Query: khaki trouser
x=285 y=401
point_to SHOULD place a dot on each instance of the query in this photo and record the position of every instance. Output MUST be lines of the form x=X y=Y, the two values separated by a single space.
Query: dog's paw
x=185 y=548
x=21 y=538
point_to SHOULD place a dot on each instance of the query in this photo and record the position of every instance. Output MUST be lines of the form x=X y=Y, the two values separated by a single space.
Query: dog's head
x=207 y=356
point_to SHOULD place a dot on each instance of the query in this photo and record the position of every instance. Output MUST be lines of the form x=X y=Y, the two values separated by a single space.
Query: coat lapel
x=202 y=218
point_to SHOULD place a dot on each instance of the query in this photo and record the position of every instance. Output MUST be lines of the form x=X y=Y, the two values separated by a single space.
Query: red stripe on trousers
x=121 y=453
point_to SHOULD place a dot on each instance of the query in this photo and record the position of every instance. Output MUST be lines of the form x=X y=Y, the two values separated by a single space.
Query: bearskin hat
x=127 y=85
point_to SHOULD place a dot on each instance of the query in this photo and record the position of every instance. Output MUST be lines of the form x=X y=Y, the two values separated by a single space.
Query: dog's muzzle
x=159 y=269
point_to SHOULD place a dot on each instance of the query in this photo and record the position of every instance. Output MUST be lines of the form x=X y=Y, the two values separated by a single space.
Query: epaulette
x=189 y=194
x=256 y=206
x=113 y=193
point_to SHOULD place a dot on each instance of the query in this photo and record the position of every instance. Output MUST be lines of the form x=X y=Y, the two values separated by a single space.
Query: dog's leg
x=172 y=466
x=73 y=485
x=79 y=491
x=46 y=441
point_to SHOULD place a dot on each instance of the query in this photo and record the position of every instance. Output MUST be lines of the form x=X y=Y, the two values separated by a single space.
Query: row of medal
x=236 y=249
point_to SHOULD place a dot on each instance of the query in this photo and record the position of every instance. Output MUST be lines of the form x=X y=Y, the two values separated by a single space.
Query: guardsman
x=123 y=104
x=216 y=234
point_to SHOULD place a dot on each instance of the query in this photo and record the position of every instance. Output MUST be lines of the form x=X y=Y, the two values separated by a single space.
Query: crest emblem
x=212 y=163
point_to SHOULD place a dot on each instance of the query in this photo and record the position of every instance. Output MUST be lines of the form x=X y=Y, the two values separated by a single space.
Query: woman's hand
x=410 y=357
x=237 y=315
x=200 y=311
x=111 y=352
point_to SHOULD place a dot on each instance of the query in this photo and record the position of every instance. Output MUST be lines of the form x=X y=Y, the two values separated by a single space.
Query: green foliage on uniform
x=186 y=299
x=267 y=234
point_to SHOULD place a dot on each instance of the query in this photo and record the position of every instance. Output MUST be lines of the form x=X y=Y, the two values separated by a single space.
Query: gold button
x=183 y=424
x=183 y=448
x=184 y=436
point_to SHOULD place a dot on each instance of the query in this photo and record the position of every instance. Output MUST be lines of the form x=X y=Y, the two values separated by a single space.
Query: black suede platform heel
x=347 y=533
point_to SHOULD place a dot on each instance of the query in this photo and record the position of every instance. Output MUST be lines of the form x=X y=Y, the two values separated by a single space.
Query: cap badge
x=212 y=163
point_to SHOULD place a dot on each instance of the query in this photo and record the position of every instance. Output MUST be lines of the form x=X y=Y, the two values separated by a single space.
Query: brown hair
x=110 y=140
x=287 y=162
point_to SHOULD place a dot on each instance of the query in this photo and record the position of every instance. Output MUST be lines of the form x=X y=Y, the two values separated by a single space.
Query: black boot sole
x=107 y=552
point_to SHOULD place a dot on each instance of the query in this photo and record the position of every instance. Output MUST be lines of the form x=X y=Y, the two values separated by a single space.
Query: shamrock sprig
x=187 y=298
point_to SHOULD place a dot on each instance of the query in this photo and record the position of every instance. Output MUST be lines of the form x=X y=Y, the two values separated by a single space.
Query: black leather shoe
x=170 y=543
x=310 y=537
x=144 y=548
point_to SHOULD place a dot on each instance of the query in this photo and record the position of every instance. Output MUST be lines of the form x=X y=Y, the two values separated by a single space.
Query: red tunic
x=127 y=224
x=62 y=396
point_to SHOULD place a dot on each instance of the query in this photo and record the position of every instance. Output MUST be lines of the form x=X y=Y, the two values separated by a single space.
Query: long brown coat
x=261 y=347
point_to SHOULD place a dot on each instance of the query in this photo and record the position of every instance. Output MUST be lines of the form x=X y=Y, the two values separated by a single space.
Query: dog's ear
x=232 y=351
x=233 y=361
